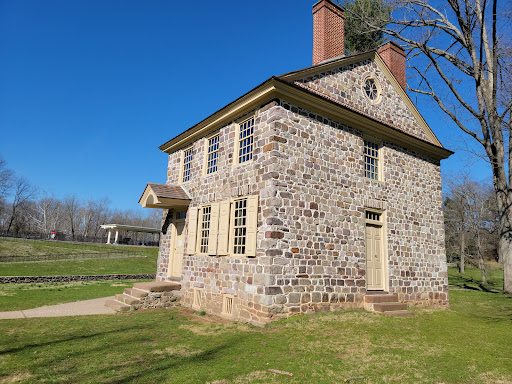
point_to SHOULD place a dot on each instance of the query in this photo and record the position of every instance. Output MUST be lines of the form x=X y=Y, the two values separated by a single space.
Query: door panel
x=178 y=247
x=374 y=258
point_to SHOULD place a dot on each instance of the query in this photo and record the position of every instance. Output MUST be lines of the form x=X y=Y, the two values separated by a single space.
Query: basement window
x=227 y=305
x=197 y=298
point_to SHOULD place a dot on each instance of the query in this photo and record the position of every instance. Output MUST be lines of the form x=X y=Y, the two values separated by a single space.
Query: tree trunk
x=481 y=263
x=11 y=221
x=462 y=249
x=505 y=251
x=504 y=197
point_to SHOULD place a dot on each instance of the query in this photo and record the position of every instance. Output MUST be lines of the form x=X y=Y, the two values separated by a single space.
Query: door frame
x=384 y=244
x=175 y=220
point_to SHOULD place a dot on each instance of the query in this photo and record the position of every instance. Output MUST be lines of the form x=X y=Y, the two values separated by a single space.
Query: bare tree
x=71 y=211
x=456 y=219
x=6 y=178
x=24 y=191
x=47 y=213
x=463 y=63
x=470 y=211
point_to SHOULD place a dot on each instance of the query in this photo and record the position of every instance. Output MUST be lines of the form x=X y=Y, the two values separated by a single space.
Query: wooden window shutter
x=214 y=229
x=252 y=225
x=222 y=246
x=192 y=232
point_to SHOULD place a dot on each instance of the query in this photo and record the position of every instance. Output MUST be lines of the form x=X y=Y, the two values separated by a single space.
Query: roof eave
x=277 y=88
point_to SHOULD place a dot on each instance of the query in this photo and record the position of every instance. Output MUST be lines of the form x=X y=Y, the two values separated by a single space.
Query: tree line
x=26 y=210
x=471 y=223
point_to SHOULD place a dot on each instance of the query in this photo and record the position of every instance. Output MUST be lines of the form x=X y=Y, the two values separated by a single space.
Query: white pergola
x=131 y=228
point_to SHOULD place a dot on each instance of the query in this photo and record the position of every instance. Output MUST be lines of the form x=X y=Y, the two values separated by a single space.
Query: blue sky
x=89 y=89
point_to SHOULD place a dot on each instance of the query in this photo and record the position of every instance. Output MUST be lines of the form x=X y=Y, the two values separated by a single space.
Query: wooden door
x=374 y=258
x=177 y=249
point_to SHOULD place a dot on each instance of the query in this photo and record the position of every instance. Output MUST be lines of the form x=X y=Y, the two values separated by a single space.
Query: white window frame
x=232 y=228
x=249 y=220
x=182 y=164
x=378 y=159
x=200 y=229
x=236 y=157
x=207 y=154
x=372 y=77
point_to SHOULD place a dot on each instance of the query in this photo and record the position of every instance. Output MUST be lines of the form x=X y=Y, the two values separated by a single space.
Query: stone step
x=404 y=313
x=135 y=292
x=117 y=305
x=387 y=307
x=381 y=298
x=158 y=286
x=127 y=299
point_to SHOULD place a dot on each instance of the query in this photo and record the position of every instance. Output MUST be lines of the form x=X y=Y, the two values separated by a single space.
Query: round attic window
x=372 y=89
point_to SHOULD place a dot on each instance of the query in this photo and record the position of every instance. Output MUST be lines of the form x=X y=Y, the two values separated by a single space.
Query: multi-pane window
x=371 y=160
x=245 y=143
x=228 y=227
x=205 y=229
x=213 y=154
x=371 y=90
x=187 y=164
x=240 y=226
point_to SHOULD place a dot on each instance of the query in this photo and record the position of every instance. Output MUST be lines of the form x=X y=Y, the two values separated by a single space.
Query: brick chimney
x=394 y=57
x=328 y=31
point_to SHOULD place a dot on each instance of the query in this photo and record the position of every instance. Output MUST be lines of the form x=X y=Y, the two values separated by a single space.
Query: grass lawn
x=82 y=267
x=15 y=297
x=23 y=247
x=471 y=343
x=472 y=278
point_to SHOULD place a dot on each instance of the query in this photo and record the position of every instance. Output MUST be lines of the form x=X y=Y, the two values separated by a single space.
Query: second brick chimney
x=394 y=57
x=328 y=31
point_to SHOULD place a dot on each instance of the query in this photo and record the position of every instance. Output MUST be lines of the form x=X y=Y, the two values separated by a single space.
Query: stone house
x=312 y=190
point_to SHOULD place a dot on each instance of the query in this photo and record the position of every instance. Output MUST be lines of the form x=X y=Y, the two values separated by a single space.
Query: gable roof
x=283 y=87
x=164 y=196
x=347 y=60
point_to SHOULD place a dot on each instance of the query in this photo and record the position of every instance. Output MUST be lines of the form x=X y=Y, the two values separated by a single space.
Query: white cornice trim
x=279 y=89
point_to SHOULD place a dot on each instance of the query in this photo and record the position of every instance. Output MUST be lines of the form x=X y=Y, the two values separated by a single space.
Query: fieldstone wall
x=55 y=279
x=344 y=85
x=242 y=277
x=309 y=174
x=158 y=300
x=318 y=236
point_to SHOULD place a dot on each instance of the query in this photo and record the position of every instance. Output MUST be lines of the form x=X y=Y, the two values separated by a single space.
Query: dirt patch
x=259 y=376
x=190 y=314
x=491 y=377
x=16 y=378
x=181 y=350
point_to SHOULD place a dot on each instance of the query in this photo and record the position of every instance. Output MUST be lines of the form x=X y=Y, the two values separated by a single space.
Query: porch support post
x=117 y=236
x=108 y=237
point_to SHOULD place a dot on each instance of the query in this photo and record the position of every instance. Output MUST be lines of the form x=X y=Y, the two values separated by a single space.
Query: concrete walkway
x=77 y=308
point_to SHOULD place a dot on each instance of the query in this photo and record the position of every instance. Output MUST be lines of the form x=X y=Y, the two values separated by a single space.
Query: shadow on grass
x=158 y=369
x=473 y=281
x=73 y=338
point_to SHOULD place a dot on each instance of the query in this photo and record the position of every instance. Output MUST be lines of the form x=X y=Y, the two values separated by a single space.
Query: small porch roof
x=164 y=196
